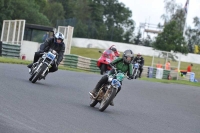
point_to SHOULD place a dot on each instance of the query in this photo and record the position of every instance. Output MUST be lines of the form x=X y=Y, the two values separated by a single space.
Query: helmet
x=60 y=36
x=139 y=55
x=113 y=48
x=126 y=54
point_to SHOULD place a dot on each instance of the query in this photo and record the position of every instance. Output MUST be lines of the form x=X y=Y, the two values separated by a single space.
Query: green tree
x=174 y=12
x=137 y=39
x=28 y=10
x=171 y=39
x=68 y=6
x=147 y=41
x=53 y=12
x=42 y=4
x=117 y=19
x=5 y=11
x=193 y=34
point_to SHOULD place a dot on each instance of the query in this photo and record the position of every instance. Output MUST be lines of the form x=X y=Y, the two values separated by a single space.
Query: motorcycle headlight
x=115 y=83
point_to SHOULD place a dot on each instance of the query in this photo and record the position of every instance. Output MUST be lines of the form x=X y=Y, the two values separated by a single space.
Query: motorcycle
x=104 y=61
x=40 y=68
x=108 y=91
x=136 y=70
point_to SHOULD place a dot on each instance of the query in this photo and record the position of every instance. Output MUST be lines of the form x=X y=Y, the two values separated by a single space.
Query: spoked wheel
x=38 y=74
x=31 y=77
x=108 y=97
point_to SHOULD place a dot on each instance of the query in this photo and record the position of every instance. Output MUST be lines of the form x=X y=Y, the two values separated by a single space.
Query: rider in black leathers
x=56 y=43
x=139 y=59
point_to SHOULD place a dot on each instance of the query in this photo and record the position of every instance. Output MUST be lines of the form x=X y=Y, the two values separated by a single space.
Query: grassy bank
x=19 y=61
x=172 y=81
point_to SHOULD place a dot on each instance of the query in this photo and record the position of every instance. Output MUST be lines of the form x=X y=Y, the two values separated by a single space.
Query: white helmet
x=59 y=35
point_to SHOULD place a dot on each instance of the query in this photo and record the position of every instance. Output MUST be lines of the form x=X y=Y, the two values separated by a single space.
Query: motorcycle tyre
x=38 y=74
x=112 y=96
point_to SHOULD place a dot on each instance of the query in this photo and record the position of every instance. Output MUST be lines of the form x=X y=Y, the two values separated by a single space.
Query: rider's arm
x=142 y=61
x=60 y=54
x=46 y=44
x=115 y=61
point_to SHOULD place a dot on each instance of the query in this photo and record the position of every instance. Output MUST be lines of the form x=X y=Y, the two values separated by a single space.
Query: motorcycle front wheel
x=31 y=77
x=39 y=73
x=108 y=97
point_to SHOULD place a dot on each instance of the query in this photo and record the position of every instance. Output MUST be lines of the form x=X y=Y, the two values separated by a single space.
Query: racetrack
x=60 y=104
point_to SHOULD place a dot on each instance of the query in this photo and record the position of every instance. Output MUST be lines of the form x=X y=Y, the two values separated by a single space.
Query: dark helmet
x=126 y=54
x=60 y=36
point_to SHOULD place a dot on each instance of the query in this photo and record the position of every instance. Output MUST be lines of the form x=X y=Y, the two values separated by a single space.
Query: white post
x=65 y=32
x=19 y=27
x=71 y=34
x=13 y=38
x=179 y=64
x=23 y=21
x=153 y=58
x=2 y=32
x=8 y=31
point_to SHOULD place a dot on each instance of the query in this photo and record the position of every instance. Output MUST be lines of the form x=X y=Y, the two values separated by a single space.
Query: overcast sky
x=151 y=10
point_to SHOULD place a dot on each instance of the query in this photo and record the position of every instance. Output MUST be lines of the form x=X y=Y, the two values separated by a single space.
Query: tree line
x=106 y=20
x=97 y=19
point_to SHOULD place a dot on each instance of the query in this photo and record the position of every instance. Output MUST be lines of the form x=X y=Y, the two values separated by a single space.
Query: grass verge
x=23 y=62
x=172 y=81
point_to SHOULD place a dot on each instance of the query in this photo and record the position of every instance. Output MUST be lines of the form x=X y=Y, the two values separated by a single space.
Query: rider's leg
x=102 y=81
x=141 y=69
x=53 y=68
x=36 y=57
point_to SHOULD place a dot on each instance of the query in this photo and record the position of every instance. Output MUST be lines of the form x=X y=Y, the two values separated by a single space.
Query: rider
x=139 y=59
x=123 y=64
x=114 y=49
x=56 y=43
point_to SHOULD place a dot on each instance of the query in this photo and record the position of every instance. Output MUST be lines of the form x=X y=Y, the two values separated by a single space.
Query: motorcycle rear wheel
x=93 y=102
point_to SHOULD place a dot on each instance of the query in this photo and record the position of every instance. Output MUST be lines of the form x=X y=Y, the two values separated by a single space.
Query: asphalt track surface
x=60 y=104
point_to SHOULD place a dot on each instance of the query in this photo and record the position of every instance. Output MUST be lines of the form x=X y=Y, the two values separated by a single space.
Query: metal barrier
x=83 y=63
x=75 y=61
x=10 y=50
